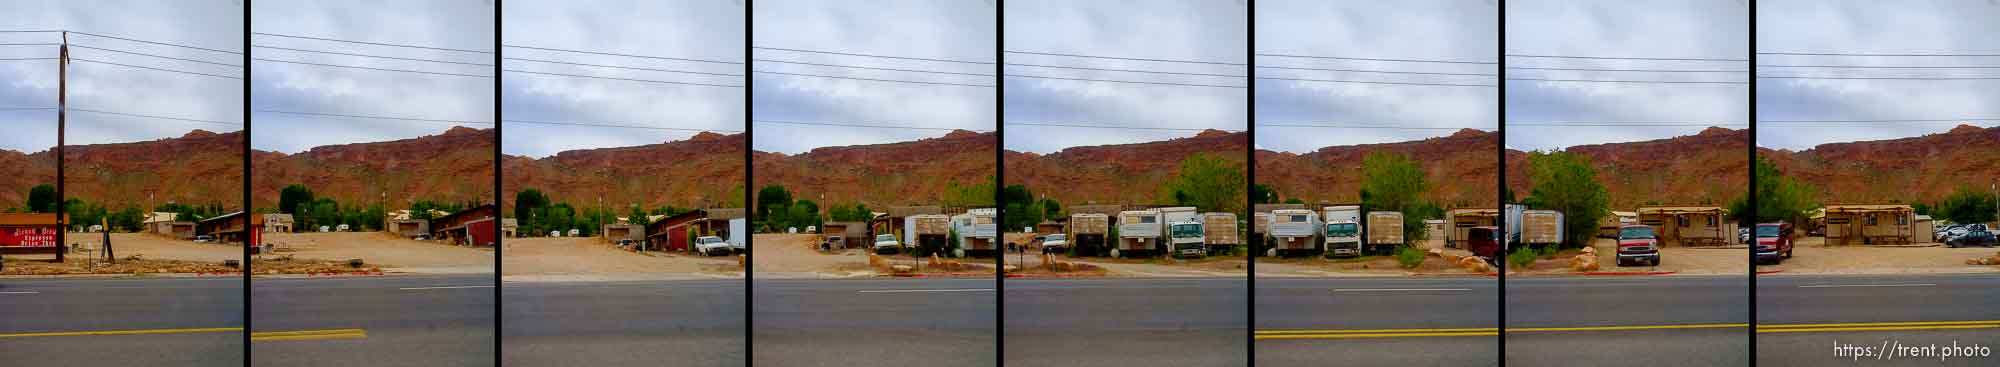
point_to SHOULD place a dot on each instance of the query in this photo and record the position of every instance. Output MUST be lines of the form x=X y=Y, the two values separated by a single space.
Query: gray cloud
x=216 y=24
x=952 y=30
x=1432 y=30
x=693 y=29
x=1215 y=31
x=1940 y=26
x=1657 y=28
x=466 y=24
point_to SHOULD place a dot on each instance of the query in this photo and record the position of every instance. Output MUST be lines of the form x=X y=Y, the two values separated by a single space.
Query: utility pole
x=62 y=107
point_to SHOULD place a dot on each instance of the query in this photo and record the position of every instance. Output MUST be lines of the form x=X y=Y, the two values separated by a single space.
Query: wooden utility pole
x=62 y=107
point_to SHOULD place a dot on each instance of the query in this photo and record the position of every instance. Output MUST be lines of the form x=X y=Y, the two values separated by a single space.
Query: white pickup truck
x=711 y=246
x=886 y=244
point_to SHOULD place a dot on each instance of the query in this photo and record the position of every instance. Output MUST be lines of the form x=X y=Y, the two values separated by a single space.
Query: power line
x=26 y=108
x=837 y=124
x=154 y=68
x=376 y=117
x=1628 y=81
x=872 y=55
x=619 y=67
x=159 y=43
x=871 y=68
x=157 y=56
x=1437 y=61
x=1875 y=54
x=1126 y=70
x=1876 y=77
x=374 y=56
x=621 y=54
x=1011 y=123
x=1374 y=71
x=371 y=43
x=156 y=116
x=30 y=44
x=1880 y=67
x=369 y=68
x=1376 y=82
x=30 y=31
x=29 y=58
x=1631 y=58
x=565 y=123
x=1127 y=58
x=624 y=79
x=1126 y=81
x=1636 y=70
x=872 y=79
x=1385 y=127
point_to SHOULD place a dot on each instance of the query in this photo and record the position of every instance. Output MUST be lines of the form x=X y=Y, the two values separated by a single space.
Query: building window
x=1902 y=220
x=1711 y=221
x=1869 y=220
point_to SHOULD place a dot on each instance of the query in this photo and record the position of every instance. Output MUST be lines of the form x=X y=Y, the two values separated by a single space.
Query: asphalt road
x=1872 y=301
x=610 y=324
x=1291 y=304
x=173 y=312
x=407 y=321
x=873 y=322
x=1687 y=320
x=1150 y=322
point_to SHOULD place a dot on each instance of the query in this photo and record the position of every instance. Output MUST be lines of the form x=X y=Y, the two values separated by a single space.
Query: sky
x=1441 y=30
x=962 y=32
x=1684 y=29
x=461 y=100
x=1208 y=31
x=690 y=29
x=1874 y=27
x=97 y=86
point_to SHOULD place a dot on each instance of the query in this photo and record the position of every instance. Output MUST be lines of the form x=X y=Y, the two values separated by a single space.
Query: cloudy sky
x=453 y=24
x=1680 y=29
x=687 y=29
x=960 y=32
x=98 y=86
x=1874 y=27
x=1464 y=31
x=1214 y=33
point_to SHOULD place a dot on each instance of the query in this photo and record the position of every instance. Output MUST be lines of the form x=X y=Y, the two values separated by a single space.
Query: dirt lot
x=1812 y=256
x=1360 y=266
x=778 y=255
x=1213 y=266
x=138 y=253
x=378 y=249
x=1678 y=260
x=589 y=258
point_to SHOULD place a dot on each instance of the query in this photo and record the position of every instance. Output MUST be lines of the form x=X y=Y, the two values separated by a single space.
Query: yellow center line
x=1909 y=323
x=1775 y=328
x=1620 y=328
x=1456 y=330
x=125 y=332
x=1363 y=335
x=309 y=335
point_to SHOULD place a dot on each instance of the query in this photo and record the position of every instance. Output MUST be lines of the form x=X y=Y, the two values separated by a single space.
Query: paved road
x=1374 y=304
x=610 y=324
x=408 y=320
x=37 y=306
x=1593 y=302
x=873 y=322
x=1150 y=322
x=1793 y=300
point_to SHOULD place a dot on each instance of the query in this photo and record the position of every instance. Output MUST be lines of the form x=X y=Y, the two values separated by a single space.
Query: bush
x=1409 y=257
x=1520 y=260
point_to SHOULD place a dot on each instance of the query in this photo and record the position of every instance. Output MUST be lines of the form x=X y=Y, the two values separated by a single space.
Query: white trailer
x=1384 y=232
x=1294 y=231
x=1342 y=230
x=1139 y=231
x=1540 y=228
x=977 y=232
x=928 y=232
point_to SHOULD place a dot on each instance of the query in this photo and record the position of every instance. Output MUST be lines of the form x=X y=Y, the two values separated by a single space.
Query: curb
x=936 y=275
x=1056 y=275
x=1625 y=273
x=1762 y=272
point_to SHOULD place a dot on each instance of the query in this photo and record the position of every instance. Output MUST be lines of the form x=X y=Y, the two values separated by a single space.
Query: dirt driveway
x=591 y=259
x=138 y=253
x=1381 y=265
x=1812 y=256
x=780 y=255
x=1677 y=260
x=391 y=253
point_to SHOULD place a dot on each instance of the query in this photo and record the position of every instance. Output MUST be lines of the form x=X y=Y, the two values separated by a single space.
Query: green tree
x=1968 y=205
x=1051 y=209
x=1019 y=207
x=977 y=194
x=772 y=197
x=42 y=199
x=1568 y=183
x=1263 y=194
x=290 y=197
x=1208 y=182
x=527 y=204
x=1394 y=182
x=1780 y=198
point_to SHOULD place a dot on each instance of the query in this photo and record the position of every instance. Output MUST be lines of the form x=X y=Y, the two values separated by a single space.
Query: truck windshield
x=885 y=238
x=1767 y=231
x=1054 y=237
x=1185 y=230
x=1636 y=232
x=1340 y=229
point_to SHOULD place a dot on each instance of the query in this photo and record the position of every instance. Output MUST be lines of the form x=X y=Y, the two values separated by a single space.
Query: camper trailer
x=1294 y=231
x=1220 y=232
x=977 y=232
x=928 y=233
x=1139 y=231
x=1087 y=232
x=1384 y=232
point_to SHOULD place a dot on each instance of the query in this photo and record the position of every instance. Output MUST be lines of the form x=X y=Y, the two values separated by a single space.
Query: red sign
x=28 y=236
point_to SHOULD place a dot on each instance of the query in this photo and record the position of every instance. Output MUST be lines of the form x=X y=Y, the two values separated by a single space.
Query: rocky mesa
x=200 y=167
x=881 y=175
x=705 y=170
x=454 y=166
x=1121 y=173
x=1460 y=167
x=1908 y=170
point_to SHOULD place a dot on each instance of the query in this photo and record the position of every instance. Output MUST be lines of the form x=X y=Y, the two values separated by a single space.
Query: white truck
x=1185 y=236
x=738 y=229
x=1384 y=231
x=1342 y=230
x=1294 y=231
x=977 y=232
x=1139 y=231
x=711 y=246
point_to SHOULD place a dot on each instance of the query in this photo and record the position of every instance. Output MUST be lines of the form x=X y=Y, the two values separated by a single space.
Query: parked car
x=1774 y=242
x=1055 y=244
x=711 y=246
x=1979 y=238
x=204 y=239
x=829 y=243
x=1484 y=242
x=1638 y=245
x=1953 y=233
x=1743 y=235
x=886 y=244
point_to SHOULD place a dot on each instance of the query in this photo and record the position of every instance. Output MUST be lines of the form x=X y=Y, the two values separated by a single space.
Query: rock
x=901 y=268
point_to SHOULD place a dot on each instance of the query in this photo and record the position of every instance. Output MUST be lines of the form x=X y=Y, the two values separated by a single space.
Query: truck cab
x=1637 y=244
x=1343 y=239
x=1774 y=242
x=1188 y=239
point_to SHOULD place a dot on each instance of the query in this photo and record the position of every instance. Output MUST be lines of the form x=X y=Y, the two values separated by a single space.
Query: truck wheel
x=1116 y=254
